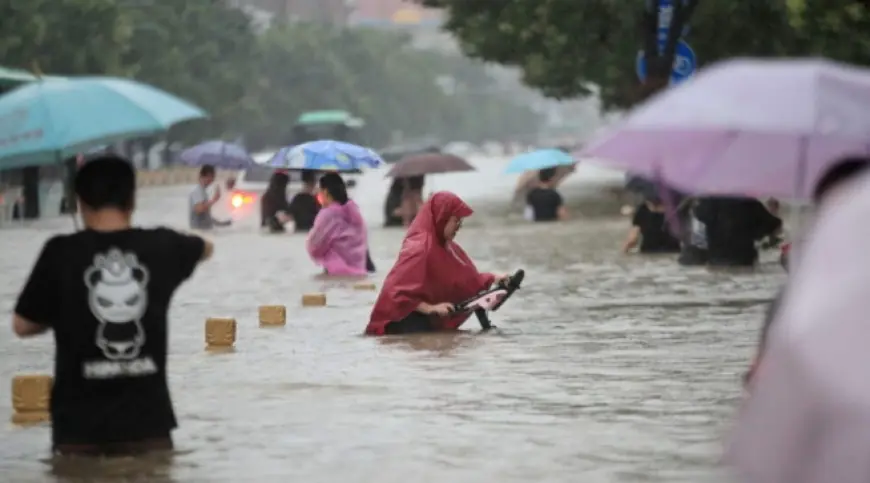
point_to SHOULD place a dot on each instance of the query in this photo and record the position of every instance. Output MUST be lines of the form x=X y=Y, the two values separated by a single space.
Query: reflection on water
x=154 y=467
x=604 y=368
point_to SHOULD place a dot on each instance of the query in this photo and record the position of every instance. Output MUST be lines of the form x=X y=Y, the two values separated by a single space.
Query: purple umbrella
x=219 y=154
x=746 y=127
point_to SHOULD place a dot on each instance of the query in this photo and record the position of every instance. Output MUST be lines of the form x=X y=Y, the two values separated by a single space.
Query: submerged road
x=606 y=368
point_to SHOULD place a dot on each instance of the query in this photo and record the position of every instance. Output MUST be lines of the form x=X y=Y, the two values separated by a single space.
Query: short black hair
x=106 y=181
x=206 y=170
x=844 y=170
x=309 y=176
x=546 y=174
x=334 y=185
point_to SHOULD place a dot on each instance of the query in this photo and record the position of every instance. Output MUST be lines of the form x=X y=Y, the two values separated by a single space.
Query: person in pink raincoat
x=338 y=240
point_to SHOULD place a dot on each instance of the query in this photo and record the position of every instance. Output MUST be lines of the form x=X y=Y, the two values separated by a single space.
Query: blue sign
x=685 y=63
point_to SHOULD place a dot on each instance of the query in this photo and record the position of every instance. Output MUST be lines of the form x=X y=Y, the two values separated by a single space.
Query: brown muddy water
x=605 y=368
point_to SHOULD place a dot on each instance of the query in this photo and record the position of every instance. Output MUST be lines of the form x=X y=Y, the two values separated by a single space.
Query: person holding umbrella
x=338 y=241
x=409 y=178
x=412 y=199
x=543 y=202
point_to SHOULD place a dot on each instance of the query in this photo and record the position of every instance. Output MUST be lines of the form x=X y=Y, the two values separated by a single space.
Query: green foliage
x=377 y=76
x=200 y=50
x=564 y=47
x=258 y=84
x=832 y=28
x=64 y=37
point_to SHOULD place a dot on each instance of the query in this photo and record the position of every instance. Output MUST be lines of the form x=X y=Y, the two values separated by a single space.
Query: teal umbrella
x=541 y=159
x=49 y=120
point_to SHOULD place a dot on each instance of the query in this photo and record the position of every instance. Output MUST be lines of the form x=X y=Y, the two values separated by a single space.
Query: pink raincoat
x=338 y=240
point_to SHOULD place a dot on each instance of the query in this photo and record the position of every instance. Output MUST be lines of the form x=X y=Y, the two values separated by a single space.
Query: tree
x=207 y=52
x=64 y=37
x=203 y=51
x=832 y=28
x=378 y=76
x=564 y=47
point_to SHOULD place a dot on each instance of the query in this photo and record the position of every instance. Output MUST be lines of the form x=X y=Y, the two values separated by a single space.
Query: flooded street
x=606 y=368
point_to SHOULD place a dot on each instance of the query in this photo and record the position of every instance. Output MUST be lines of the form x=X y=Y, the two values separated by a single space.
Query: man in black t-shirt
x=105 y=292
x=544 y=203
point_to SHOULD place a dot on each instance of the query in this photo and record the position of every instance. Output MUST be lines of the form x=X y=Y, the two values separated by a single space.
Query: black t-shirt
x=655 y=237
x=545 y=203
x=106 y=297
x=733 y=227
x=271 y=204
x=304 y=208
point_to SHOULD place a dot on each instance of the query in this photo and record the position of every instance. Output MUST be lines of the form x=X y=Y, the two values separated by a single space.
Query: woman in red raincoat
x=431 y=274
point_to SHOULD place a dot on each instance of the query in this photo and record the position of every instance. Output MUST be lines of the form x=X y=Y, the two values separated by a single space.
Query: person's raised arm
x=632 y=239
x=202 y=204
x=634 y=234
x=37 y=309
x=187 y=251
x=561 y=210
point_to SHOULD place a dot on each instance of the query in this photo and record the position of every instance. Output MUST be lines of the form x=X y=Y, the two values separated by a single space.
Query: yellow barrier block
x=31 y=395
x=273 y=315
x=220 y=333
x=314 y=300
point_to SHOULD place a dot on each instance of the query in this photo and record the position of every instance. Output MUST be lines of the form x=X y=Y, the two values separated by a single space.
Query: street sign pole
x=685 y=61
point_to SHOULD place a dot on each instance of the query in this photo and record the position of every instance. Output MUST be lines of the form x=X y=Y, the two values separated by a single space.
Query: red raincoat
x=429 y=269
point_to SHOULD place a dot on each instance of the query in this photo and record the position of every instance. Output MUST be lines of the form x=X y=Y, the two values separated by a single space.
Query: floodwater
x=605 y=368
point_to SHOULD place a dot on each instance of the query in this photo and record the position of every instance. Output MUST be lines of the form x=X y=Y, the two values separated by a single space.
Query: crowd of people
x=111 y=331
x=105 y=291
x=711 y=231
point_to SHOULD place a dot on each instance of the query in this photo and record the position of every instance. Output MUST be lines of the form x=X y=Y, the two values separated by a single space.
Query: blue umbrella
x=326 y=155
x=219 y=154
x=44 y=122
x=541 y=159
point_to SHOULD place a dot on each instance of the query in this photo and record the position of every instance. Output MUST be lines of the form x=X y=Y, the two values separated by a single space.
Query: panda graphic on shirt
x=118 y=298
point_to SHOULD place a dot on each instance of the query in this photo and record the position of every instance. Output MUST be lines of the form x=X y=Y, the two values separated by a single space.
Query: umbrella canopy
x=540 y=159
x=325 y=155
x=746 y=127
x=430 y=163
x=529 y=180
x=44 y=122
x=219 y=154
x=807 y=419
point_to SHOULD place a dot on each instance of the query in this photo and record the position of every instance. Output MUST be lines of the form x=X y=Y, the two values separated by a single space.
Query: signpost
x=685 y=61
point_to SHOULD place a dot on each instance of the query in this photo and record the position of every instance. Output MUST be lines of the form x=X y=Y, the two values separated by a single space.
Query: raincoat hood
x=434 y=215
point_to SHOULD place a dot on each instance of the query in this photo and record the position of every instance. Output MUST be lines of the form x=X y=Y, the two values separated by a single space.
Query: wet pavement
x=606 y=368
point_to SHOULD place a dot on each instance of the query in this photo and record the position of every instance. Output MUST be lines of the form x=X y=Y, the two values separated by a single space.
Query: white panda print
x=118 y=298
